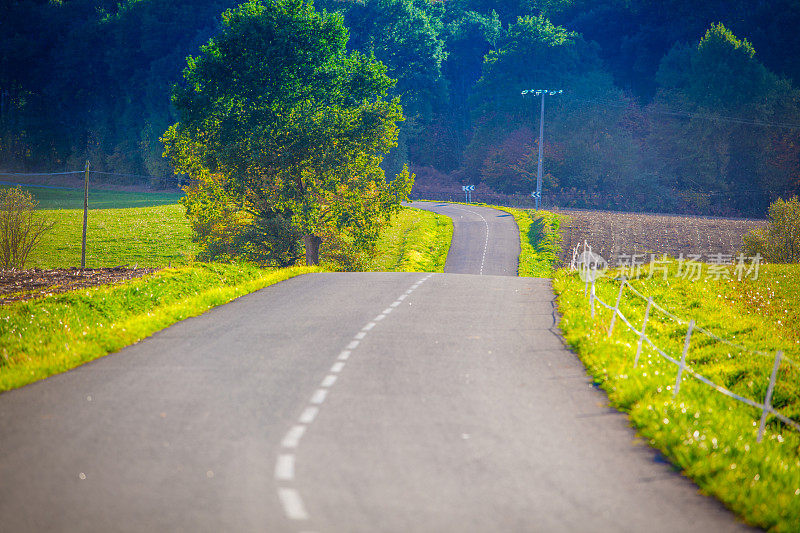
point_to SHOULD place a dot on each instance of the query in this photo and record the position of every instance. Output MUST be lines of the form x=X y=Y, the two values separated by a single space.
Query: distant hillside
x=664 y=107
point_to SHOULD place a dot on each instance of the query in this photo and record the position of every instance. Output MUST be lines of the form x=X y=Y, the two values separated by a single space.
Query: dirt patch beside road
x=614 y=234
x=18 y=285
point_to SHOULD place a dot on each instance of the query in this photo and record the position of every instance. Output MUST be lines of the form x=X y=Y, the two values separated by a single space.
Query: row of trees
x=666 y=103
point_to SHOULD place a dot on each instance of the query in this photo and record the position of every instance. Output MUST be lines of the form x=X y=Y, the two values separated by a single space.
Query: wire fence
x=60 y=191
x=162 y=181
x=586 y=263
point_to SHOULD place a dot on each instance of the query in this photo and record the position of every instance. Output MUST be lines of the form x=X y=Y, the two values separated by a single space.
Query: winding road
x=346 y=402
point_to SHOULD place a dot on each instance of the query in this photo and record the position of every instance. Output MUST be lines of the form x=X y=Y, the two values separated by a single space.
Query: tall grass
x=540 y=241
x=414 y=241
x=711 y=437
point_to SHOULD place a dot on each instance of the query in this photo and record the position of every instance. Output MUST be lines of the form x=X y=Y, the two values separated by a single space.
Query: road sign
x=468 y=192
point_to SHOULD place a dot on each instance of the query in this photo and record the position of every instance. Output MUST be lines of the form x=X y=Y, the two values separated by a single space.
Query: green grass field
x=66 y=198
x=156 y=236
x=124 y=228
x=143 y=236
x=414 y=241
x=711 y=437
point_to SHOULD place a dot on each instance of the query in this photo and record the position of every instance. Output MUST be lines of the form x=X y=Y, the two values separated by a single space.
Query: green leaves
x=279 y=114
x=725 y=73
x=718 y=146
x=780 y=241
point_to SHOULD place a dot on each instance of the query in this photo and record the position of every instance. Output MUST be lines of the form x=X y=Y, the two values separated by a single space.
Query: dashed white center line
x=319 y=396
x=284 y=467
x=292 y=504
x=293 y=436
x=285 y=464
x=486 y=241
x=309 y=414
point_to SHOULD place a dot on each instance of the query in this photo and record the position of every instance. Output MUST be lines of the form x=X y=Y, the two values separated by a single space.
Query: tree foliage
x=584 y=147
x=779 y=242
x=279 y=123
x=719 y=78
x=660 y=103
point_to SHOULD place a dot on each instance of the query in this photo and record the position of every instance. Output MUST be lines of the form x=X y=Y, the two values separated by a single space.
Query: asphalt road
x=342 y=402
x=485 y=240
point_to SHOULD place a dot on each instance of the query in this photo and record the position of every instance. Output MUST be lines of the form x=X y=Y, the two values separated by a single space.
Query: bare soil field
x=17 y=285
x=615 y=234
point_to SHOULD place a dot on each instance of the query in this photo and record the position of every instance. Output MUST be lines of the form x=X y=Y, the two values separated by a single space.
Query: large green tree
x=280 y=116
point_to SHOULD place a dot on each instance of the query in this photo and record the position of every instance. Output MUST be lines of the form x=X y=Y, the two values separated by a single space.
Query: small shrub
x=780 y=241
x=21 y=227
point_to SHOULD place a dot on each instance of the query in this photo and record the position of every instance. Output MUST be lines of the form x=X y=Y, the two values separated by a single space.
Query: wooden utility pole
x=85 y=215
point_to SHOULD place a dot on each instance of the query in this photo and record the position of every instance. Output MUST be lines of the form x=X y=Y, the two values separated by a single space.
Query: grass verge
x=147 y=236
x=45 y=336
x=540 y=241
x=711 y=437
x=42 y=337
x=414 y=241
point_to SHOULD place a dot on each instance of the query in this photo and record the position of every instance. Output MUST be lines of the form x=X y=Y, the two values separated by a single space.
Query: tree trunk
x=312 y=243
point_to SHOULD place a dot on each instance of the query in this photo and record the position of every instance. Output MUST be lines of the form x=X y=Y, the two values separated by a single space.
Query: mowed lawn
x=124 y=228
x=143 y=236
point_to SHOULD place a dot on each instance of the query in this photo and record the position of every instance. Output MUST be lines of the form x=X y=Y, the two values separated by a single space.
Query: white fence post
x=768 y=399
x=683 y=357
x=585 y=268
x=642 y=334
x=616 y=306
x=592 y=296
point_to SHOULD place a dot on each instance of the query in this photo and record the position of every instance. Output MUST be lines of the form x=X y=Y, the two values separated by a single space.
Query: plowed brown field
x=615 y=234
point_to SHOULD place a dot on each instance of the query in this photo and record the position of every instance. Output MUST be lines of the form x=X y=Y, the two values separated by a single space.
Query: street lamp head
x=540 y=92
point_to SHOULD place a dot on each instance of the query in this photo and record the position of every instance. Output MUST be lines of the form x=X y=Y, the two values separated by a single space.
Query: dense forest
x=668 y=105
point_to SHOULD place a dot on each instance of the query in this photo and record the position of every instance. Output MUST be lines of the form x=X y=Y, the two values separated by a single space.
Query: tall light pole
x=537 y=92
